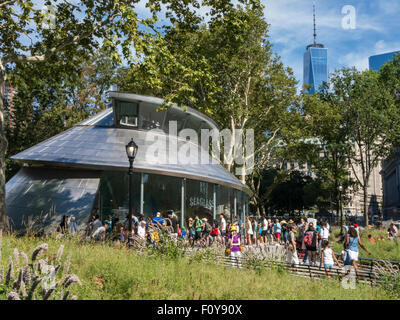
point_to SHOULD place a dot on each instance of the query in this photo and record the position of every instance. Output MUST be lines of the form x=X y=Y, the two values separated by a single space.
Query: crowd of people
x=305 y=242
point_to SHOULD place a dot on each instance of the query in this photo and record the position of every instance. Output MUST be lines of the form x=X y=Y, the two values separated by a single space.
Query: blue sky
x=291 y=30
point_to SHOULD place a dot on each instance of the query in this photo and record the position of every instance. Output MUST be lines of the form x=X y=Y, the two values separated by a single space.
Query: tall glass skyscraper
x=315 y=71
x=315 y=67
x=377 y=61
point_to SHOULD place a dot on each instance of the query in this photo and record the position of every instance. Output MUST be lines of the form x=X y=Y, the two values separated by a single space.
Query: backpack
x=308 y=238
x=214 y=231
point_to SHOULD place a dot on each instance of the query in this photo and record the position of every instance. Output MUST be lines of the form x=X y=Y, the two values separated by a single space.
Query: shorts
x=353 y=255
x=277 y=235
x=250 y=232
x=197 y=235
x=264 y=233
x=235 y=254
x=311 y=248
x=328 y=266
x=205 y=234
x=223 y=234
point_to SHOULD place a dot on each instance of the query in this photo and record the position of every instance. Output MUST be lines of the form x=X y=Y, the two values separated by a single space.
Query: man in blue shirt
x=277 y=230
x=158 y=220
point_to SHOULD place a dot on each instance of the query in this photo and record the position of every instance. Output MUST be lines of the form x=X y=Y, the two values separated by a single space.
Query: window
x=199 y=200
x=127 y=113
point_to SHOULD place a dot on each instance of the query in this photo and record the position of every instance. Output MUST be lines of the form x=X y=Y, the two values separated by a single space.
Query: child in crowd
x=328 y=257
x=371 y=239
x=346 y=257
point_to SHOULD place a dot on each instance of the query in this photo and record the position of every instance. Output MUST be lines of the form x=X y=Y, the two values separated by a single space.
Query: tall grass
x=107 y=272
x=385 y=249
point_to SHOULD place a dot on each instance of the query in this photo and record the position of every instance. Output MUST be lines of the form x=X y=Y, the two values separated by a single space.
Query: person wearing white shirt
x=141 y=230
x=324 y=233
x=223 y=227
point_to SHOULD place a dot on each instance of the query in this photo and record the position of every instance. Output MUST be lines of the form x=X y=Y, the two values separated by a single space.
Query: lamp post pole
x=130 y=173
x=131 y=150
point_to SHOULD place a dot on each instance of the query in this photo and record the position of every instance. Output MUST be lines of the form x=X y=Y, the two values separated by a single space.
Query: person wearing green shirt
x=197 y=228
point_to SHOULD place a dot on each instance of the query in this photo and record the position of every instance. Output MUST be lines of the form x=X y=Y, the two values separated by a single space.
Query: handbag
x=228 y=251
x=241 y=248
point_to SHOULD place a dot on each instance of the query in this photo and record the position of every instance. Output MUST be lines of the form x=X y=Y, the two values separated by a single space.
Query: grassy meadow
x=385 y=249
x=107 y=272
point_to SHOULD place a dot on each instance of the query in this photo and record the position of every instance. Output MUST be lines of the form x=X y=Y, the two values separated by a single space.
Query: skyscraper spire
x=315 y=26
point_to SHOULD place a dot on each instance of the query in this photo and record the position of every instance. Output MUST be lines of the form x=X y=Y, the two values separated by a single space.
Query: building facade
x=315 y=67
x=377 y=61
x=390 y=168
x=83 y=171
x=391 y=187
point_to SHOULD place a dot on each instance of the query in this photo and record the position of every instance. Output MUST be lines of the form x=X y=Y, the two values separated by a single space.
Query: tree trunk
x=263 y=210
x=365 y=189
x=3 y=149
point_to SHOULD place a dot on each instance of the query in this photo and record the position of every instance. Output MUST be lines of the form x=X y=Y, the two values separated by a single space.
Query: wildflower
x=60 y=252
x=13 y=296
x=42 y=265
x=38 y=250
x=24 y=258
x=9 y=272
x=18 y=281
x=48 y=293
x=23 y=289
x=27 y=275
x=65 y=297
x=16 y=257
x=70 y=279
x=35 y=283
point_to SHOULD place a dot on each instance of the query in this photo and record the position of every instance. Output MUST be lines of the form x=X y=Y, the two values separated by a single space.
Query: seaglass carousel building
x=83 y=171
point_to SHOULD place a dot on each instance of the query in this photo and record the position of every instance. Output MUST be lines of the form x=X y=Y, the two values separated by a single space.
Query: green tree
x=51 y=99
x=225 y=68
x=30 y=35
x=323 y=120
x=371 y=120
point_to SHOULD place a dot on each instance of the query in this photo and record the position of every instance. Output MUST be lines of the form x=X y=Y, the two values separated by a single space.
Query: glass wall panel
x=240 y=204
x=149 y=118
x=113 y=194
x=199 y=200
x=175 y=115
x=225 y=202
x=161 y=193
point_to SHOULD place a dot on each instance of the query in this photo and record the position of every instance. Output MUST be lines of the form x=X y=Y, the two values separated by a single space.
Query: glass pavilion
x=83 y=171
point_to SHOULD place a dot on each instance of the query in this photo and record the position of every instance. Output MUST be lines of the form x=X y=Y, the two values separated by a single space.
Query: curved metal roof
x=103 y=148
x=158 y=101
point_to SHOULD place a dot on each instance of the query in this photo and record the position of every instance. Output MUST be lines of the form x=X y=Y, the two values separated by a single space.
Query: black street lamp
x=131 y=150
x=341 y=210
